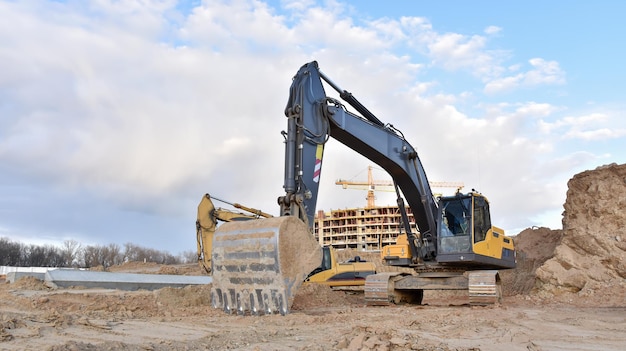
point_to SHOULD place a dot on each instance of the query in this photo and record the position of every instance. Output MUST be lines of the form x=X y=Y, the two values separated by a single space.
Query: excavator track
x=484 y=287
x=258 y=265
x=383 y=289
x=380 y=290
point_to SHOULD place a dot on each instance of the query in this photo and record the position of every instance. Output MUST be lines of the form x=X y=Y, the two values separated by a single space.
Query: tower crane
x=372 y=185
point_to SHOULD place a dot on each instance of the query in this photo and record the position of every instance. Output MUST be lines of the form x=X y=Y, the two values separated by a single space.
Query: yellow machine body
x=333 y=273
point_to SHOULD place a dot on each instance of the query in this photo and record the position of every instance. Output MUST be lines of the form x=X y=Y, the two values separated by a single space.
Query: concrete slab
x=121 y=281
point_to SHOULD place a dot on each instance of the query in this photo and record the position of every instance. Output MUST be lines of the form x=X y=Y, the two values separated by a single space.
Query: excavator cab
x=466 y=236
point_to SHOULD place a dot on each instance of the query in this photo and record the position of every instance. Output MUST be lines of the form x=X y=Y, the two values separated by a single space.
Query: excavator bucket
x=259 y=265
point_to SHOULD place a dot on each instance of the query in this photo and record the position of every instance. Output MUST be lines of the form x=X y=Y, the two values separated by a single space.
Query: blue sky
x=117 y=116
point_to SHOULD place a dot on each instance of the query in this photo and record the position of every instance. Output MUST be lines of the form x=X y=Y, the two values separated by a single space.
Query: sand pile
x=534 y=246
x=591 y=257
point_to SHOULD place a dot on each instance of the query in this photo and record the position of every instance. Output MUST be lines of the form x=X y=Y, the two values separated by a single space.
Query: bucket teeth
x=258 y=302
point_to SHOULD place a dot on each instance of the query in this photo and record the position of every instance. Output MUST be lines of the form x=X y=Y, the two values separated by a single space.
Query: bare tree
x=42 y=256
x=70 y=251
x=189 y=256
x=113 y=255
x=10 y=252
x=131 y=252
x=93 y=256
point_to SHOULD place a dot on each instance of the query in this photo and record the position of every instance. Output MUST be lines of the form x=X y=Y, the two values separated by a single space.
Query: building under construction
x=363 y=229
x=369 y=228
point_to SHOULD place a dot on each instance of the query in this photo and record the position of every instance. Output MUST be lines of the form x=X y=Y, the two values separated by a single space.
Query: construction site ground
x=567 y=293
x=37 y=318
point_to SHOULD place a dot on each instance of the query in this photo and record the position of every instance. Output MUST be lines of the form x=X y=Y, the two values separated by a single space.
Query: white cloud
x=595 y=134
x=493 y=30
x=535 y=109
x=392 y=31
x=590 y=127
x=462 y=52
x=455 y=51
x=542 y=72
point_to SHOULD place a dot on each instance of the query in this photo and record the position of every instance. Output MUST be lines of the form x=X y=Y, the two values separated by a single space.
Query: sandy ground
x=34 y=317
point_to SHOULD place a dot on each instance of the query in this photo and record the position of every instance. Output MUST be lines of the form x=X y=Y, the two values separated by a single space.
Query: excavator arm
x=313 y=118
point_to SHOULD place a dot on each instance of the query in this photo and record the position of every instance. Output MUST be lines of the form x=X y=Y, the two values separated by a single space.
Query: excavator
x=335 y=274
x=330 y=272
x=259 y=265
x=206 y=224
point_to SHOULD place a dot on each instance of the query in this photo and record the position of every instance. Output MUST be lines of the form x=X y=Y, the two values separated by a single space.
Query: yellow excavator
x=333 y=273
x=330 y=272
x=258 y=265
x=206 y=224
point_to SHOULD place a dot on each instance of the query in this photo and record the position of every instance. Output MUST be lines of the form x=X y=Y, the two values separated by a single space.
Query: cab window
x=482 y=221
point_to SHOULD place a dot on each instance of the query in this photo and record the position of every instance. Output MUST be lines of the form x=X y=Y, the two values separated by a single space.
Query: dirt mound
x=191 y=296
x=317 y=295
x=591 y=258
x=154 y=268
x=182 y=269
x=537 y=243
x=534 y=246
x=29 y=283
x=135 y=267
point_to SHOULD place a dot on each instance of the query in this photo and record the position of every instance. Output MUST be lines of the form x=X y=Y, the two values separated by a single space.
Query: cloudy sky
x=117 y=116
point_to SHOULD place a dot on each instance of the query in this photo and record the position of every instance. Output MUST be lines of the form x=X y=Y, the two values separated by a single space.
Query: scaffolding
x=362 y=229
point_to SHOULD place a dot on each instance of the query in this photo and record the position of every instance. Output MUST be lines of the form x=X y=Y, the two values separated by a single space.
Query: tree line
x=74 y=254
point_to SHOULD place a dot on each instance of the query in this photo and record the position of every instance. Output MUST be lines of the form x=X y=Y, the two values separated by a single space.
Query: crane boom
x=372 y=185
